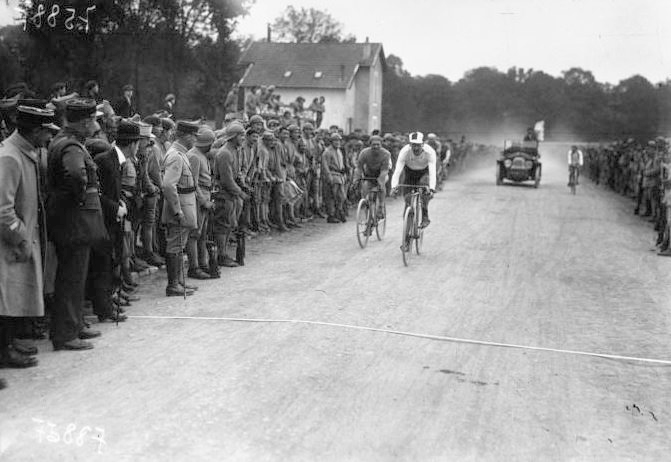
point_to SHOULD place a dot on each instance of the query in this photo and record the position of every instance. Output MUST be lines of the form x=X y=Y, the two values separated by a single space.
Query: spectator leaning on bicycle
x=418 y=162
x=373 y=162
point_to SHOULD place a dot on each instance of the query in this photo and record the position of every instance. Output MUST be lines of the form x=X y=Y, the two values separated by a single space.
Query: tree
x=308 y=26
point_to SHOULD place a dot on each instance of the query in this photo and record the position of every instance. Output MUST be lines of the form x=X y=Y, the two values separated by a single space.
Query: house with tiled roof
x=348 y=75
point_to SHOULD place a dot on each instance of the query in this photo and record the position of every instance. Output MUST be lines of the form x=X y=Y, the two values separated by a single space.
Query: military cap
x=205 y=137
x=268 y=135
x=293 y=127
x=255 y=118
x=168 y=124
x=128 y=87
x=128 y=131
x=233 y=130
x=308 y=125
x=77 y=109
x=187 y=126
x=33 y=117
x=273 y=123
x=97 y=146
x=152 y=120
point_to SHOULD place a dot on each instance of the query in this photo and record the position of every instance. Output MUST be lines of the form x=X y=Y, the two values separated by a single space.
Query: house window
x=318 y=74
x=287 y=74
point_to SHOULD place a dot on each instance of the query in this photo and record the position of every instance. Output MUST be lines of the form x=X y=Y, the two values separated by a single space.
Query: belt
x=186 y=190
x=207 y=187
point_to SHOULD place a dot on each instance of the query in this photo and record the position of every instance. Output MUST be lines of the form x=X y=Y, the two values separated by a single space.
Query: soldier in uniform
x=228 y=195
x=179 y=205
x=22 y=230
x=74 y=221
x=199 y=156
x=333 y=170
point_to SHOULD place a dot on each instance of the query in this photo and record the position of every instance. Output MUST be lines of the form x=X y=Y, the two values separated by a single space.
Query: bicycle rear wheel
x=406 y=238
x=381 y=227
x=362 y=223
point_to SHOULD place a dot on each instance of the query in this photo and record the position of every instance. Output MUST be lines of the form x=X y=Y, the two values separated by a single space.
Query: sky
x=614 y=39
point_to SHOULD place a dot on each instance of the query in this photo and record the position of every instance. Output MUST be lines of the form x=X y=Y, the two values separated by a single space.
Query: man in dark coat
x=74 y=221
x=106 y=258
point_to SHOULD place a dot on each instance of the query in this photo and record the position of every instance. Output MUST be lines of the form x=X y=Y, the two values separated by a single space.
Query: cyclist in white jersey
x=575 y=161
x=418 y=163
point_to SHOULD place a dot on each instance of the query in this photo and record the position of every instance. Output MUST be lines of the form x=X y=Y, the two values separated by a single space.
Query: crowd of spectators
x=111 y=193
x=640 y=171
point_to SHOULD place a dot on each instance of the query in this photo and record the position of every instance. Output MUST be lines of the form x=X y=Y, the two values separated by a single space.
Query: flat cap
x=128 y=131
x=187 y=126
x=234 y=130
x=205 y=137
x=77 y=109
x=97 y=146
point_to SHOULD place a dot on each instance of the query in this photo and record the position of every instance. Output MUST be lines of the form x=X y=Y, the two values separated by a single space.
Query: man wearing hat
x=169 y=104
x=262 y=185
x=228 y=195
x=22 y=230
x=199 y=159
x=125 y=106
x=179 y=205
x=155 y=155
x=75 y=221
x=333 y=170
x=107 y=258
x=313 y=153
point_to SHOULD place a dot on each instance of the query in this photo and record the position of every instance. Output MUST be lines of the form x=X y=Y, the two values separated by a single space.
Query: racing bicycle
x=367 y=218
x=412 y=217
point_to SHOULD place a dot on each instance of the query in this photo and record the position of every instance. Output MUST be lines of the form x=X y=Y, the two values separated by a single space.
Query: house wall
x=338 y=106
x=361 y=99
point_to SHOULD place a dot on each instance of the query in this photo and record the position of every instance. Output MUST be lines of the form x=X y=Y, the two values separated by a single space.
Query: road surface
x=508 y=264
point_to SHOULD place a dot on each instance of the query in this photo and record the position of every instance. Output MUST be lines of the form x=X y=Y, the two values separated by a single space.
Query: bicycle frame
x=413 y=231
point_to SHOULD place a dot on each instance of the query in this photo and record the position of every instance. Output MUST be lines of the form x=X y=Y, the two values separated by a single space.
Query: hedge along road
x=508 y=264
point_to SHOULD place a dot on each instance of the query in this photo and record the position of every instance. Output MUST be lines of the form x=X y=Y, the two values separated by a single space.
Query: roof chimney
x=269 y=33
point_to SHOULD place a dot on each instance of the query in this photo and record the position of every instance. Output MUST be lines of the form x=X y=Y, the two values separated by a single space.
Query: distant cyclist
x=418 y=162
x=373 y=162
x=575 y=161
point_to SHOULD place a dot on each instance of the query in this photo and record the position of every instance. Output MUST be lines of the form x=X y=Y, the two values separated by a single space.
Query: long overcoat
x=21 y=278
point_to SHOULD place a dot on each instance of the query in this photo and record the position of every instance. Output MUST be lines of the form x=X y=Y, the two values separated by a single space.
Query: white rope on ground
x=413 y=334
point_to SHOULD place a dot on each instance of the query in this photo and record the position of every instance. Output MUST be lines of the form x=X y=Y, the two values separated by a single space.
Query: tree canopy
x=308 y=25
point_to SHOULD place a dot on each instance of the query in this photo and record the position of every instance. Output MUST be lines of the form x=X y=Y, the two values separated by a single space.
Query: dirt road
x=508 y=264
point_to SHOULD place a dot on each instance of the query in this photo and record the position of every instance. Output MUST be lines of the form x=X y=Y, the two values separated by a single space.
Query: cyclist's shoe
x=405 y=247
x=368 y=231
x=380 y=215
x=425 y=222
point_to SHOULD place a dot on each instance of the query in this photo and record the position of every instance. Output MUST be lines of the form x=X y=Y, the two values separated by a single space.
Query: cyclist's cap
x=416 y=138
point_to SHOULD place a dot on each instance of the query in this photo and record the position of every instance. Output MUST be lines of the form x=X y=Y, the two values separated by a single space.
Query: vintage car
x=519 y=162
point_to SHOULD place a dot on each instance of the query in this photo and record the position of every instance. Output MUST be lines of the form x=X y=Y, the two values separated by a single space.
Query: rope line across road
x=417 y=335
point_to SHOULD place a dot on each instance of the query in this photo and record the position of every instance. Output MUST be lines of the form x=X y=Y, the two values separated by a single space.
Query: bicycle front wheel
x=406 y=238
x=362 y=223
